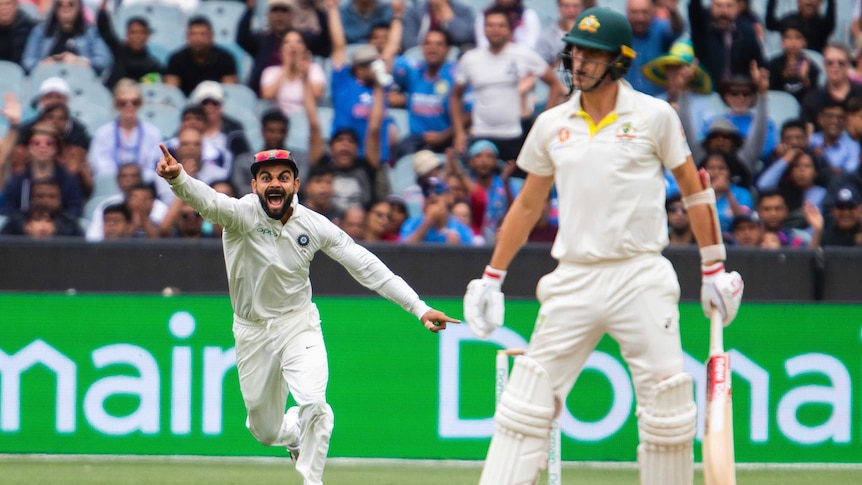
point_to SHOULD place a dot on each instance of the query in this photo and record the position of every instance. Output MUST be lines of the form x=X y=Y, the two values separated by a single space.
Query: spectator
x=15 y=27
x=309 y=18
x=832 y=141
x=358 y=16
x=490 y=176
x=746 y=230
x=797 y=178
x=730 y=199
x=378 y=36
x=525 y=26
x=794 y=134
x=129 y=179
x=318 y=192
x=132 y=60
x=188 y=223
x=117 y=221
x=43 y=146
x=679 y=76
x=844 y=227
x=359 y=179
x=38 y=224
x=724 y=137
x=397 y=216
x=545 y=230
x=190 y=154
x=652 y=37
x=66 y=37
x=427 y=85
x=724 y=45
x=353 y=222
x=264 y=46
x=450 y=17
x=792 y=71
x=201 y=60
x=747 y=101
x=284 y=83
x=770 y=240
x=52 y=91
x=223 y=131
x=127 y=139
x=352 y=85
x=838 y=88
x=678 y=225
x=193 y=116
x=747 y=15
x=274 y=127
x=45 y=196
x=436 y=224
x=773 y=214
x=815 y=28
x=493 y=72
x=550 y=42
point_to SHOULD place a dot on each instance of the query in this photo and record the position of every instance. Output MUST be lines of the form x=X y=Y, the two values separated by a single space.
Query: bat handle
x=716 y=332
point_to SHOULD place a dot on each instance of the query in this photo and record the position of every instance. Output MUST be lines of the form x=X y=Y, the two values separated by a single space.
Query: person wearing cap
x=792 y=71
x=220 y=129
x=815 y=28
x=127 y=138
x=269 y=240
x=844 y=227
x=353 y=84
x=66 y=36
x=15 y=27
x=653 y=36
x=747 y=102
x=200 y=60
x=746 y=230
x=604 y=150
x=132 y=59
x=724 y=43
x=493 y=73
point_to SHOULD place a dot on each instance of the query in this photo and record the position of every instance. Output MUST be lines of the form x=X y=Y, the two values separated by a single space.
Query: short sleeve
x=269 y=75
x=227 y=63
x=461 y=74
x=534 y=156
x=316 y=75
x=672 y=146
x=534 y=64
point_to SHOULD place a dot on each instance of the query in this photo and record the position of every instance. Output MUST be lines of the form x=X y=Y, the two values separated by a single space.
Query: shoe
x=293 y=448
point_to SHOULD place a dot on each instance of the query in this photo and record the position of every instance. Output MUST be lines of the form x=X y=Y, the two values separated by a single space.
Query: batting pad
x=519 y=448
x=667 y=426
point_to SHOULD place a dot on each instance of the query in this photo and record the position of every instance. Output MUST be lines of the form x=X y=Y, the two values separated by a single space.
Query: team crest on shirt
x=303 y=240
x=563 y=135
x=626 y=132
x=441 y=87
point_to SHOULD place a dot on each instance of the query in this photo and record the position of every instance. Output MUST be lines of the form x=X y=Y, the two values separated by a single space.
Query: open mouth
x=275 y=200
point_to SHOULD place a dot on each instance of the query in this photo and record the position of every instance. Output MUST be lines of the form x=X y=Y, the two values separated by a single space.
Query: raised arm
x=244 y=36
x=316 y=147
x=375 y=125
x=336 y=34
x=106 y=28
x=456 y=113
x=396 y=32
x=12 y=112
x=771 y=20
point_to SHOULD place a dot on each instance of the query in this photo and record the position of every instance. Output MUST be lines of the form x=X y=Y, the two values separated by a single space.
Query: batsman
x=606 y=150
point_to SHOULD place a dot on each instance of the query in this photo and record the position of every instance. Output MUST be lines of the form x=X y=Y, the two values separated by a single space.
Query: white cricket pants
x=286 y=354
x=635 y=301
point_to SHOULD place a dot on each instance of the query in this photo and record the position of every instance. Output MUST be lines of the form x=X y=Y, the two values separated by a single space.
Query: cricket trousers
x=635 y=301
x=285 y=355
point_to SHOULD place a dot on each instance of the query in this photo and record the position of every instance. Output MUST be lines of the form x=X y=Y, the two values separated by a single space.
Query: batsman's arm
x=520 y=219
x=703 y=216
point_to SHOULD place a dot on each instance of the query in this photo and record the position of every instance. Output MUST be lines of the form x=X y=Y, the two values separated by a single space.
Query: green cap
x=602 y=29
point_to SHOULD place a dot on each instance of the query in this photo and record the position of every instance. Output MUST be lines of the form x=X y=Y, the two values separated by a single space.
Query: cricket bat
x=718 y=462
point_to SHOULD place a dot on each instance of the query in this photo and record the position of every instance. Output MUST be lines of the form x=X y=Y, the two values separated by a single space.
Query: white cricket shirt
x=267 y=262
x=608 y=174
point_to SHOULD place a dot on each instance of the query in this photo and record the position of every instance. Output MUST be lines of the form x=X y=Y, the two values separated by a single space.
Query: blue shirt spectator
x=842 y=155
x=427 y=94
x=435 y=235
x=653 y=37
x=450 y=16
x=351 y=102
x=359 y=16
x=66 y=37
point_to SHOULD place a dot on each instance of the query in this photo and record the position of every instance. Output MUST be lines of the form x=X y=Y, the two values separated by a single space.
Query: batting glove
x=483 y=303
x=721 y=290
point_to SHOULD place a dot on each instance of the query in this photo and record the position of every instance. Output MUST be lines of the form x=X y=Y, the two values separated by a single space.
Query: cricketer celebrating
x=269 y=241
x=605 y=149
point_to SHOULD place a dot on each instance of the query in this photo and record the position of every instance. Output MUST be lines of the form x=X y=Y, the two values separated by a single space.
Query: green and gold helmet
x=603 y=29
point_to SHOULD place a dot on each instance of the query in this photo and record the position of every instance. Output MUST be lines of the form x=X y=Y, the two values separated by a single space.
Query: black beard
x=277 y=215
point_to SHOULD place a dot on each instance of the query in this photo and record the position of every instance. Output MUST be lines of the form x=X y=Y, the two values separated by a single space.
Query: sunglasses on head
x=271 y=155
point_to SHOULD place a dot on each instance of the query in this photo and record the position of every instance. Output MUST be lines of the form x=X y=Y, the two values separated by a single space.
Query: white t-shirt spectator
x=290 y=93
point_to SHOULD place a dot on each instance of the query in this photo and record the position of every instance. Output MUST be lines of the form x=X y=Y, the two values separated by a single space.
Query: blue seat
x=78 y=76
x=165 y=117
x=164 y=94
x=242 y=59
x=783 y=106
x=239 y=96
x=250 y=125
x=402 y=120
x=13 y=80
x=224 y=16
x=91 y=115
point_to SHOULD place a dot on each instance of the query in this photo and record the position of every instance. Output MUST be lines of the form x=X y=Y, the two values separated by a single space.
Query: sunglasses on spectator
x=212 y=102
x=129 y=102
x=833 y=62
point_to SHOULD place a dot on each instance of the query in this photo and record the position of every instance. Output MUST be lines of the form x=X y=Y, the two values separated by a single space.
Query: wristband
x=495 y=275
x=716 y=252
x=712 y=270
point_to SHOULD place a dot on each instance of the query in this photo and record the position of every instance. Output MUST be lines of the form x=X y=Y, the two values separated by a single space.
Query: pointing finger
x=166 y=153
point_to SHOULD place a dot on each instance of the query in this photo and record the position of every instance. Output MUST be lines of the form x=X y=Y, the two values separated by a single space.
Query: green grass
x=68 y=470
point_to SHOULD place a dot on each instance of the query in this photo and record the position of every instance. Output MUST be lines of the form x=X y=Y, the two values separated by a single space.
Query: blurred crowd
x=769 y=93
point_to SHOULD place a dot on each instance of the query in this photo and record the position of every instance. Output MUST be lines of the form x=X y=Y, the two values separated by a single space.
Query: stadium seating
x=242 y=59
x=224 y=16
x=239 y=96
x=77 y=75
x=13 y=80
x=782 y=107
x=167 y=23
x=91 y=115
x=165 y=117
x=401 y=117
x=297 y=137
x=250 y=124
x=817 y=59
x=163 y=94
